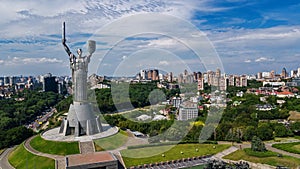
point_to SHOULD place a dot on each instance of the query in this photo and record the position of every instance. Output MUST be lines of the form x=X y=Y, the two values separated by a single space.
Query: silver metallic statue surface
x=81 y=119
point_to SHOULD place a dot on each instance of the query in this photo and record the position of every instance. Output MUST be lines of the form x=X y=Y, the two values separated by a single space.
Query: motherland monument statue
x=81 y=119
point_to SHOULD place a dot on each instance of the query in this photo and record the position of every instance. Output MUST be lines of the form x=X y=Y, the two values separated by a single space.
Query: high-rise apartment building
x=50 y=83
x=284 y=73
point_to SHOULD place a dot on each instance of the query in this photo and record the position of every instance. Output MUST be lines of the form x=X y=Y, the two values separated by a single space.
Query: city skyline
x=249 y=37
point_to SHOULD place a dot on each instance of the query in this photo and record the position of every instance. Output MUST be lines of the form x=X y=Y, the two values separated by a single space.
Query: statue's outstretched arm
x=88 y=58
x=67 y=49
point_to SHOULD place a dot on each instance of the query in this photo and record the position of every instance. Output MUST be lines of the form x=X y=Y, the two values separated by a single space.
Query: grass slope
x=170 y=153
x=197 y=167
x=268 y=157
x=111 y=142
x=289 y=147
x=22 y=159
x=54 y=147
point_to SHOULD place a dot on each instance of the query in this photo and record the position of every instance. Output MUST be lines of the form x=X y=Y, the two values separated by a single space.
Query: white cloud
x=163 y=62
x=278 y=45
x=274 y=33
x=17 y=10
x=264 y=59
x=124 y=57
x=28 y=60
x=248 y=61
x=41 y=22
x=163 y=43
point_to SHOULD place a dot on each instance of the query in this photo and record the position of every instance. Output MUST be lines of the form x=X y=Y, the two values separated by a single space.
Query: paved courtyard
x=54 y=135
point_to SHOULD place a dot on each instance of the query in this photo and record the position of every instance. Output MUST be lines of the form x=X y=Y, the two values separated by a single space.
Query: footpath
x=247 y=145
x=269 y=147
x=88 y=147
x=4 y=164
x=59 y=160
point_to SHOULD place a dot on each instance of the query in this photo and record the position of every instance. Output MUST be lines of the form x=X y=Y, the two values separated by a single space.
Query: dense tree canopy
x=22 y=109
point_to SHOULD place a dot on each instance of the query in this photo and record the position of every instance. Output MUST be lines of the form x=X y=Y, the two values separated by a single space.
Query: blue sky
x=247 y=36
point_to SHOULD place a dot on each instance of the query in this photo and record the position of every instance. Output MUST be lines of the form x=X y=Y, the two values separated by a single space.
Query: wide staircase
x=86 y=147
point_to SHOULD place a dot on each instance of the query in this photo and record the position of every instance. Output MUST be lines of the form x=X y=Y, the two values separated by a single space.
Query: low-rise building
x=187 y=110
x=176 y=101
x=144 y=117
x=285 y=94
x=92 y=160
x=265 y=107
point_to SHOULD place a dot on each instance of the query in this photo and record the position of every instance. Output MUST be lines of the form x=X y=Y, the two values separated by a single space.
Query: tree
x=257 y=144
x=295 y=126
x=14 y=114
x=249 y=133
x=222 y=130
x=235 y=135
x=281 y=131
x=265 y=132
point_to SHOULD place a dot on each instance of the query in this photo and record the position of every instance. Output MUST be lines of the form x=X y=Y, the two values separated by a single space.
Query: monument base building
x=81 y=120
x=101 y=160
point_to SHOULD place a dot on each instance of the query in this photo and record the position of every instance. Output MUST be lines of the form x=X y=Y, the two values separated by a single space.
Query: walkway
x=86 y=147
x=131 y=141
x=269 y=147
x=4 y=164
x=220 y=155
x=248 y=145
x=59 y=160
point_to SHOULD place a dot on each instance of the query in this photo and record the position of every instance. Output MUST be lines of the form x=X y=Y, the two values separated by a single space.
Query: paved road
x=4 y=164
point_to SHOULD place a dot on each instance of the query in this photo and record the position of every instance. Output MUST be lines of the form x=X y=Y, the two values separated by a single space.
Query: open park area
x=289 y=147
x=54 y=147
x=147 y=155
x=20 y=158
x=268 y=157
x=111 y=142
x=151 y=154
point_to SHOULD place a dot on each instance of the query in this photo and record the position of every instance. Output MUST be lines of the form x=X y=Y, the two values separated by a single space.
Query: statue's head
x=79 y=52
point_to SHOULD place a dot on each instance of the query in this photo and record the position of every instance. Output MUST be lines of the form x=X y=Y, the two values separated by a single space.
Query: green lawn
x=111 y=142
x=289 y=147
x=1 y=151
x=149 y=155
x=22 y=159
x=54 y=147
x=197 y=167
x=268 y=157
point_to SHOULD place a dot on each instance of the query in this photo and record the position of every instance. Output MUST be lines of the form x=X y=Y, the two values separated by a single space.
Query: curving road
x=4 y=164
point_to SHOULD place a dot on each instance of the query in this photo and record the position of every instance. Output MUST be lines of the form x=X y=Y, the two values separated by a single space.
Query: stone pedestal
x=81 y=120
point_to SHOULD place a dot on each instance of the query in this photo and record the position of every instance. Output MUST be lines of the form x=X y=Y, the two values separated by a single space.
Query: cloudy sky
x=240 y=36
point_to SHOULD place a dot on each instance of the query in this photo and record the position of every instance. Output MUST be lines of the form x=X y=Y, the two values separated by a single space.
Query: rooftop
x=91 y=158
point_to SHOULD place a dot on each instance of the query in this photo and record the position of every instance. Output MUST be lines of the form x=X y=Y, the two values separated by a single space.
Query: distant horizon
x=174 y=75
